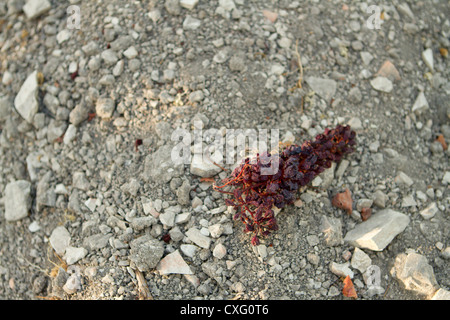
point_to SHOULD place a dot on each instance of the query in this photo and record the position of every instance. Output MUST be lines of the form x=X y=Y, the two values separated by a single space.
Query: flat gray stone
x=421 y=104
x=378 y=231
x=60 y=240
x=146 y=252
x=97 y=241
x=325 y=88
x=73 y=255
x=382 y=84
x=17 y=200
x=360 y=260
x=198 y=238
x=173 y=263
x=26 y=102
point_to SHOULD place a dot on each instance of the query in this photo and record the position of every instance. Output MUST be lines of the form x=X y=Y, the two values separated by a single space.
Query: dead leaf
x=344 y=201
x=388 y=70
x=441 y=139
x=366 y=213
x=349 y=289
x=271 y=16
x=444 y=52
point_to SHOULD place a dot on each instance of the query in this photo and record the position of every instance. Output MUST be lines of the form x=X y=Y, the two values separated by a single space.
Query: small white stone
x=421 y=104
x=446 y=178
x=341 y=269
x=34 y=226
x=17 y=199
x=60 y=240
x=427 y=56
x=382 y=84
x=188 y=4
x=70 y=134
x=26 y=102
x=191 y=23
x=63 y=35
x=430 y=211
x=189 y=250
x=73 y=254
x=198 y=238
x=130 y=53
x=360 y=260
x=220 y=251
x=35 y=8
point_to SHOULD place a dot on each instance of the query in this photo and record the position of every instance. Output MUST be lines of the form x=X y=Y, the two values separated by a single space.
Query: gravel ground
x=92 y=207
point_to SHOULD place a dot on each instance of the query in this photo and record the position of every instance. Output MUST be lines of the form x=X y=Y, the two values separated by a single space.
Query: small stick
x=299 y=60
x=144 y=292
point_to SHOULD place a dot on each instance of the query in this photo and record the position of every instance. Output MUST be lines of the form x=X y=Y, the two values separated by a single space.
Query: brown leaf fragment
x=441 y=140
x=349 y=289
x=366 y=213
x=344 y=201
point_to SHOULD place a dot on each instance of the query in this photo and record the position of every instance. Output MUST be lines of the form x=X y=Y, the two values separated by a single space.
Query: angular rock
x=26 y=102
x=200 y=166
x=130 y=53
x=105 y=108
x=430 y=211
x=427 y=57
x=168 y=218
x=74 y=254
x=198 y=238
x=188 y=4
x=60 y=240
x=421 y=104
x=97 y=241
x=79 y=181
x=173 y=7
x=414 y=272
x=173 y=263
x=159 y=167
x=141 y=223
x=441 y=294
x=45 y=196
x=189 y=250
x=379 y=199
x=35 y=8
x=146 y=252
x=360 y=260
x=17 y=200
x=341 y=269
x=183 y=193
x=378 y=231
x=382 y=84
x=403 y=179
x=332 y=229
x=78 y=114
x=220 y=251
x=109 y=56
x=325 y=88
x=191 y=23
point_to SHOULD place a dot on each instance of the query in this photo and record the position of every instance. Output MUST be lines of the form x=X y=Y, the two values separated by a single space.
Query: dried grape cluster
x=255 y=194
